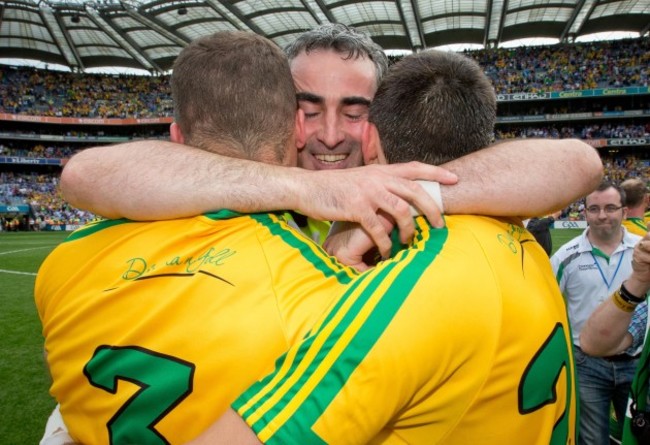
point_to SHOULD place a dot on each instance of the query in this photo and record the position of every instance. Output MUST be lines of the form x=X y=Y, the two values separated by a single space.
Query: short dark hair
x=605 y=185
x=635 y=192
x=342 y=39
x=234 y=89
x=433 y=107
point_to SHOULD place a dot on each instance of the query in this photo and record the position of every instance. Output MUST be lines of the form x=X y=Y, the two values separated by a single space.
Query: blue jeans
x=601 y=382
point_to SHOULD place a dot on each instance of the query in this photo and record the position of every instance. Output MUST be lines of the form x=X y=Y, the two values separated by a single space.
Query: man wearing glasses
x=588 y=269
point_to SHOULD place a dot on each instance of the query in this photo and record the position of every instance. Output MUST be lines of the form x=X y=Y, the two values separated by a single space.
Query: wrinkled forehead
x=329 y=74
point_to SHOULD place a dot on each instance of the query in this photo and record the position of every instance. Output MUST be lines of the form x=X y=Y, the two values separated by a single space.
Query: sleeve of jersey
x=340 y=385
x=293 y=405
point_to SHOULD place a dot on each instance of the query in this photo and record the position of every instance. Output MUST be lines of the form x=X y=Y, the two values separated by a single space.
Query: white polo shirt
x=587 y=277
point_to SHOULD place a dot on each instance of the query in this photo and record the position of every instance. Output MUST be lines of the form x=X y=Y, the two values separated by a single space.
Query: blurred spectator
x=41 y=193
x=541 y=230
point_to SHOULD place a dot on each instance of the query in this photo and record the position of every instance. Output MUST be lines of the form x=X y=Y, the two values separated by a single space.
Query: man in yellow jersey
x=636 y=201
x=147 y=324
x=462 y=338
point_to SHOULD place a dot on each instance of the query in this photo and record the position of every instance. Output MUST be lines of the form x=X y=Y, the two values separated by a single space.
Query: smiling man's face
x=335 y=94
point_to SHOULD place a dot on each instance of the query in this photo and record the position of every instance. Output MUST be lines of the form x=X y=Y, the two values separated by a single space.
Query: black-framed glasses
x=609 y=209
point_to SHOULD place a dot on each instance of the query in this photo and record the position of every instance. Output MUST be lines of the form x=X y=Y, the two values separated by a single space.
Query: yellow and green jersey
x=313 y=229
x=461 y=339
x=638 y=226
x=153 y=329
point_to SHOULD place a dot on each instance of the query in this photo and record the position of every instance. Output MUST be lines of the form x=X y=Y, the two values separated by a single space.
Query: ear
x=300 y=129
x=371 y=146
x=175 y=133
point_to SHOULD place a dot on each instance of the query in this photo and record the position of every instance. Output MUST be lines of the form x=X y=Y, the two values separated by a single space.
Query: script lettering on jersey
x=210 y=257
x=187 y=264
x=511 y=237
x=137 y=267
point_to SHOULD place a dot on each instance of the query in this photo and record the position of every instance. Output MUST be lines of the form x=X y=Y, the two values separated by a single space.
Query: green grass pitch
x=24 y=400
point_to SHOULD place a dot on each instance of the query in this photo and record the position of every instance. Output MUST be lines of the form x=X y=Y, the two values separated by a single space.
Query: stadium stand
x=597 y=92
x=60 y=94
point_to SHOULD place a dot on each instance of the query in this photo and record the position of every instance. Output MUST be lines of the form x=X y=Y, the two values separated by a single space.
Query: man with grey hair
x=335 y=106
x=343 y=40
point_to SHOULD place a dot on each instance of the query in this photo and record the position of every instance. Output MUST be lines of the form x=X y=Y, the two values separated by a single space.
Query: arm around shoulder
x=523 y=177
x=132 y=180
x=153 y=179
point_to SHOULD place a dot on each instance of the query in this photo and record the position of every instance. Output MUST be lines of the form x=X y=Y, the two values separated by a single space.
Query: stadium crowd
x=525 y=69
x=605 y=130
x=617 y=169
x=40 y=191
x=60 y=94
x=567 y=67
x=51 y=151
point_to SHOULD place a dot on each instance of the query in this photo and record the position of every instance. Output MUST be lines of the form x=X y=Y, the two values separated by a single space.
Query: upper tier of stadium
x=563 y=67
x=149 y=34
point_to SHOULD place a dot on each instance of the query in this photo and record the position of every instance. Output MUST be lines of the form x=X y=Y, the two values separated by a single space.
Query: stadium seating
x=594 y=91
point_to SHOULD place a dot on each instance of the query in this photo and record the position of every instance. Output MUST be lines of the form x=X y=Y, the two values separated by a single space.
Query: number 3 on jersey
x=164 y=382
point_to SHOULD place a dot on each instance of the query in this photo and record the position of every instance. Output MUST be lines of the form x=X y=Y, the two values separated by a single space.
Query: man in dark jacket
x=541 y=230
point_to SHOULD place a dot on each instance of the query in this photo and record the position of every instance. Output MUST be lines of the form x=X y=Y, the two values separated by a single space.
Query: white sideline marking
x=16 y=272
x=24 y=250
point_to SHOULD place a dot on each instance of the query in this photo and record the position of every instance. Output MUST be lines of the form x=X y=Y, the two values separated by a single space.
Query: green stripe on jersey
x=311 y=336
x=355 y=351
x=223 y=214
x=95 y=227
x=639 y=222
x=311 y=251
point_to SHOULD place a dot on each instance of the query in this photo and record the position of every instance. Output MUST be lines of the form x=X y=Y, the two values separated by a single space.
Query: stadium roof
x=149 y=34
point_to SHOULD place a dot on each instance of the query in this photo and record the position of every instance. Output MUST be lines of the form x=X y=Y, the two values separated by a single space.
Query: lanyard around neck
x=602 y=274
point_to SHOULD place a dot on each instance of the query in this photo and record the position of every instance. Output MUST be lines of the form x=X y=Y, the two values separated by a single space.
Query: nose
x=331 y=133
